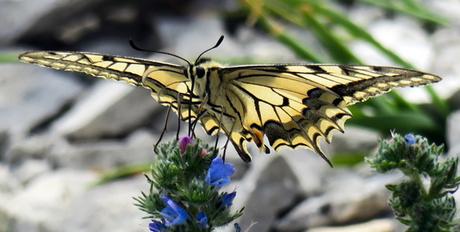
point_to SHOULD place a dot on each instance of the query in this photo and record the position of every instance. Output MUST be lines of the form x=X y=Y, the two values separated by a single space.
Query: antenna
x=134 y=46
x=209 y=49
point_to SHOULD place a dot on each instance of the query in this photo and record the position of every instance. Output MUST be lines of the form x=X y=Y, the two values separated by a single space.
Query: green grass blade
x=359 y=32
x=8 y=58
x=278 y=33
x=336 y=47
x=405 y=121
x=121 y=172
x=306 y=19
x=418 y=12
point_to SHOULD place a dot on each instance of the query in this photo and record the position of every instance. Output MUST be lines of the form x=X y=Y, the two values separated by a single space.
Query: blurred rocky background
x=60 y=133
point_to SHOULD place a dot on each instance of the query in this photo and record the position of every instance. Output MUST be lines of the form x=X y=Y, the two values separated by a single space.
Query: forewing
x=296 y=105
x=168 y=82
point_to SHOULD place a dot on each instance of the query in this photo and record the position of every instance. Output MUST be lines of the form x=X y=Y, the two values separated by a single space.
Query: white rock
x=377 y=225
x=30 y=95
x=108 y=207
x=31 y=147
x=269 y=186
x=453 y=131
x=105 y=154
x=309 y=169
x=348 y=198
x=31 y=169
x=447 y=9
x=22 y=17
x=109 y=109
x=36 y=207
x=445 y=63
x=355 y=139
x=8 y=182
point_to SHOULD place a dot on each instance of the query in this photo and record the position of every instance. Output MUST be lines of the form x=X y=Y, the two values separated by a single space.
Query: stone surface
x=453 y=134
x=32 y=95
x=109 y=109
x=8 y=181
x=108 y=207
x=268 y=187
x=35 y=208
x=309 y=169
x=137 y=149
x=30 y=169
x=341 y=202
x=447 y=52
x=31 y=147
x=364 y=141
x=377 y=225
x=447 y=9
x=22 y=17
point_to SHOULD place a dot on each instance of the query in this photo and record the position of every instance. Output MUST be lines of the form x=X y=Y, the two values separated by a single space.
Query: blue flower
x=184 y=142
x=173 y=213
x=410 y=139
x=237 y=227
x=227 y=199
x=219 y=173
x=202 y=220
x=157 y=226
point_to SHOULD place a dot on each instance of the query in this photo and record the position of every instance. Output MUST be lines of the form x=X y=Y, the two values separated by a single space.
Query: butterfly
x=292 y=105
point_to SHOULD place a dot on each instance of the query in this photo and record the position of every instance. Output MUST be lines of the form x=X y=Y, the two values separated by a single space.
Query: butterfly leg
x=155 y=148
x=228 y=139
x=195 y=122
x=179 y=108
x=201 y=112
x=190 y=110
x=220 y=127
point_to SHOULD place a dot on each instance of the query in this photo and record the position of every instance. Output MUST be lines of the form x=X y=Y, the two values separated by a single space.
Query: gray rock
x=8 y=182
x=30 y=96
x=31 y=169
x=348 y=198
x=36 y=207
x=445 y=63
x=268 y=187
x=364 y=141
x=31 y=147
x=376 y=225
x=137 y=149
x=22 y=17
x=186 y=37
x=453 y=132
x=4 y=143
x=109 y=109
x=447 y=9
x=309 y=169
x=106 y=208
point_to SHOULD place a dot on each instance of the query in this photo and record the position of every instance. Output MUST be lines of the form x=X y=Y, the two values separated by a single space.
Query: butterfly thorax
x=207 y=83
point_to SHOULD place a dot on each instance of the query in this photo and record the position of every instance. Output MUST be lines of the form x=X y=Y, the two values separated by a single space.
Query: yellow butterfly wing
x=297 y=105
x=168 y=82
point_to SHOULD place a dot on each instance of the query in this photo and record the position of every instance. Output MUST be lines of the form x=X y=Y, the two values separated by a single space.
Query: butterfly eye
x=199 y=71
